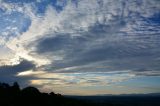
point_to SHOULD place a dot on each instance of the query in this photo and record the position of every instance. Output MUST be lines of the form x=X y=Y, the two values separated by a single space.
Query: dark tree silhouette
x=15 y=86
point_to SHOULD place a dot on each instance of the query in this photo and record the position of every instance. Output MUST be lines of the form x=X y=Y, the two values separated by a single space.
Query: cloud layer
x=81 y=38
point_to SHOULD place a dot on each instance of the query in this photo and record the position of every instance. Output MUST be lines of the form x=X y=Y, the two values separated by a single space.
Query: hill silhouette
x=31 y=96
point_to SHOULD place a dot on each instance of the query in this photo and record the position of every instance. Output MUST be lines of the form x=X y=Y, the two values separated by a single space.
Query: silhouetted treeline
x=31 y=96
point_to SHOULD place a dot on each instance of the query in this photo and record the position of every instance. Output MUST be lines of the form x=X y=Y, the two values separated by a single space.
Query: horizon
x=96 y=95
x=81 y=47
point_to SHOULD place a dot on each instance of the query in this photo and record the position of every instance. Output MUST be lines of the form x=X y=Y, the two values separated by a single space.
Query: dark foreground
x=30 y=96
x=122 y=100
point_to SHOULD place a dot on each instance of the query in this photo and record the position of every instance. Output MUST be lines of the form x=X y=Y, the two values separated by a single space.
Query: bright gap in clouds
x=48 y=81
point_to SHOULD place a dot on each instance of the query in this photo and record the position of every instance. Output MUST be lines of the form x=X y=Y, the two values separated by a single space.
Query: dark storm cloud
x=8 y=72
x=11 y=70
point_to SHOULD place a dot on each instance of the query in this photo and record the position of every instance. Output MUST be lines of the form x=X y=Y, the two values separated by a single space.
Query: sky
x=81 y=47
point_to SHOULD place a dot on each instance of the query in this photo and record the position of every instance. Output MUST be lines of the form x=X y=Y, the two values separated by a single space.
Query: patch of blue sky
x=146 y=82
x=155 y=19
x=13 y=23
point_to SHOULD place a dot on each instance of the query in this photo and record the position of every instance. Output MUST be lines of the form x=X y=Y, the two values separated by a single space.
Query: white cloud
x=75 y=79
x=77 y=21
x=105 y=37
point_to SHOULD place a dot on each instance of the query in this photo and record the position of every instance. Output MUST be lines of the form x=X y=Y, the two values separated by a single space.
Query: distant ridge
x=134 y=94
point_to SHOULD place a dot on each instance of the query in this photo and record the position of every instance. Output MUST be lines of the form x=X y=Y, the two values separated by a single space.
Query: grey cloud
x=8 y=73
x=123 y=40
x=93 y=81
x=129 y=41
x=23 y=66
x=120 y=52
x=52 y=44
x=147 y=73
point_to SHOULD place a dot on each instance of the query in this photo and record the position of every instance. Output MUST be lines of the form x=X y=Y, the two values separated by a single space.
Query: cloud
x=117 y=51
x=13 y=69
x=63 y=40
x=43 y=78
x=8 y=72
x=103 y=35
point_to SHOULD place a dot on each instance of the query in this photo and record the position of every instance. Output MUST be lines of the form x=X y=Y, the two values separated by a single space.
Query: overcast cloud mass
x=81 y=46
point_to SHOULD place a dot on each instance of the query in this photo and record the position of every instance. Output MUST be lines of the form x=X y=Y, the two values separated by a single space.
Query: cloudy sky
x=81 y=47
